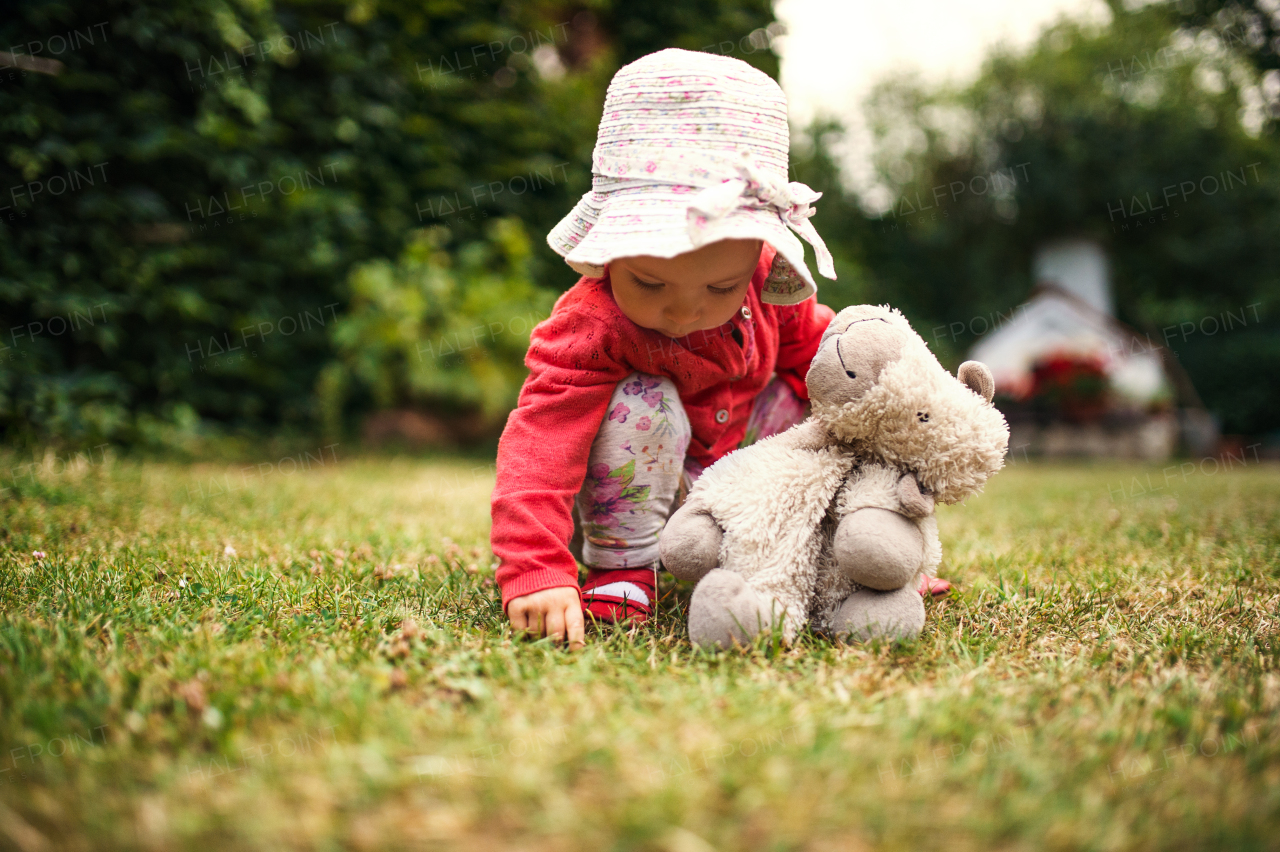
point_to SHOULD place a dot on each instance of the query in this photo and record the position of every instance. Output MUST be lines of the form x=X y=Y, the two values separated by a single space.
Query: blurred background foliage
x=1088 y=121
x=448 y=327
x=390 y=150
x=354 y=197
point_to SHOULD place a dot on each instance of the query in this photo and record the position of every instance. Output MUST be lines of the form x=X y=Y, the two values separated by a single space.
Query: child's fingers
x=574 y=625
x=555 y=624
x=535 y=621
x=553 y=612
x=520 y=617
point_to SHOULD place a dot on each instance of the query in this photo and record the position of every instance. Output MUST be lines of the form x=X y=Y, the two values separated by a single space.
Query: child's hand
x=553 y=612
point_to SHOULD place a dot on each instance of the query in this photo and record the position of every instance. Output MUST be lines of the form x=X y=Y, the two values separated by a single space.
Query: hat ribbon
x=753 y=187
x=793 y=202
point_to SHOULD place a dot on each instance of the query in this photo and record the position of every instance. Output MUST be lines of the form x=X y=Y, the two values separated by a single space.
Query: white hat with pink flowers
x=692 y=149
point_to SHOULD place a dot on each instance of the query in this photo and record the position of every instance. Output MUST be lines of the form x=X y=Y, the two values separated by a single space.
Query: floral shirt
x=576 y=359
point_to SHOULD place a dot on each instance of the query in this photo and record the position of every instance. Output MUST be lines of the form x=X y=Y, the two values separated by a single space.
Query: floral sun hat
x=693 y=148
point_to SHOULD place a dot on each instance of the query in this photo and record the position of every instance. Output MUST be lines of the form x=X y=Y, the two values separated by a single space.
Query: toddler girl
x=688 y=336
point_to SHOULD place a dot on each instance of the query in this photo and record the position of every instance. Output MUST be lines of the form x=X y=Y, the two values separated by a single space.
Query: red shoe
x=934 y=587
x=620 y=595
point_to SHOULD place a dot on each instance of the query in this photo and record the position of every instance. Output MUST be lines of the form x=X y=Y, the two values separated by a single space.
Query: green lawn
x=214 y=658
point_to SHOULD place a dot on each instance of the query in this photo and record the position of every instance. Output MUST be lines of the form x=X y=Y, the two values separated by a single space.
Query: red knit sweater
x=576 y=358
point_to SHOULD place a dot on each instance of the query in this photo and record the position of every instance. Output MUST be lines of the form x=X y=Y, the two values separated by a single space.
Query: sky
x=835 y=50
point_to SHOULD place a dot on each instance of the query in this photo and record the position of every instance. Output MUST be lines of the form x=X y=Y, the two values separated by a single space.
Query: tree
x=1252 y=27
x=1083 y=134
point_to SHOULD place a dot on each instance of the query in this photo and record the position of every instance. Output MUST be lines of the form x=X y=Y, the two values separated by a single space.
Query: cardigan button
x=746 y=312
x=722 y=415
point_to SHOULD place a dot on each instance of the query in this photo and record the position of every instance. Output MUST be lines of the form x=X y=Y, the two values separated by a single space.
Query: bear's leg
x=879 y=549
x=725 y=611
x=868 y=614
x=690 y=544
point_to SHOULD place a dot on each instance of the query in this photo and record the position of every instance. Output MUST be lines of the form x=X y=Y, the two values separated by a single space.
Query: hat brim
x=652 y=220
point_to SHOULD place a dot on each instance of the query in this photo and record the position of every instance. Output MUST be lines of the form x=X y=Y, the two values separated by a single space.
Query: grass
x=195 y=667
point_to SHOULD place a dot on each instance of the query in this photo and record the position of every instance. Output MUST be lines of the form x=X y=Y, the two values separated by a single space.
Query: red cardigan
x=576 y=358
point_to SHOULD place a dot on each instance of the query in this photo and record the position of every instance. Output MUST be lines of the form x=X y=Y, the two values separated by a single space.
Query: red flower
x=1070 y=385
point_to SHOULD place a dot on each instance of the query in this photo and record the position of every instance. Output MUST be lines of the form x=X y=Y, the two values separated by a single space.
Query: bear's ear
x=976 y=375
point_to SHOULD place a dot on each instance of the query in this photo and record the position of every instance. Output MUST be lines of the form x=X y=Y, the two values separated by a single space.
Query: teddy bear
x=832 y=521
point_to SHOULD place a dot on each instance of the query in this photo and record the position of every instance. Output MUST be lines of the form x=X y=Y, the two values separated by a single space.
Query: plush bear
x=832 y=521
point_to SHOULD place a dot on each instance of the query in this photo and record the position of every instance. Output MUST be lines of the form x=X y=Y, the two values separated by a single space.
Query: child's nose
x=683 y=313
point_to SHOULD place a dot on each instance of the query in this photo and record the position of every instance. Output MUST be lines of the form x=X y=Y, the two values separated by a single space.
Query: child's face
x=690 y=292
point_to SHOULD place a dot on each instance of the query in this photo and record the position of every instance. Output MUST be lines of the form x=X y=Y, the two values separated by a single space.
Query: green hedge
x=222 y=186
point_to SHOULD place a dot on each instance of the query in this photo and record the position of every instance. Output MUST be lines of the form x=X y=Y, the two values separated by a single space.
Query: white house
x=1071 y=313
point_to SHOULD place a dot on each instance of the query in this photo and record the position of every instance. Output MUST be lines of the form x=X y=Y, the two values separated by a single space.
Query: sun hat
x=693 y=148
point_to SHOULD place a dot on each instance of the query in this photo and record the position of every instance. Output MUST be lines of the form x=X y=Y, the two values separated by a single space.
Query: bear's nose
x=851 y=374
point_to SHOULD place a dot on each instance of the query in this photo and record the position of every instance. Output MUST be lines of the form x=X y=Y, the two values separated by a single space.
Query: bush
x=438 y=326
x=206 y=179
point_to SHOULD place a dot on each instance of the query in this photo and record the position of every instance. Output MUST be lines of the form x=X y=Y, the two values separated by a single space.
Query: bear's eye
x=922 y=416
x=851 y=374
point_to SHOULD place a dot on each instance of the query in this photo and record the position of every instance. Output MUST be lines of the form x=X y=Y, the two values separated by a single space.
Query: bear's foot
x=879 y=549
x=726 y=611
x=690 y=544
x=868 y=614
